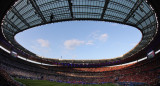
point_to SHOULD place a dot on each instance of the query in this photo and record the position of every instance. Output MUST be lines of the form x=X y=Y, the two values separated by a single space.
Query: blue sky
x=80 y=40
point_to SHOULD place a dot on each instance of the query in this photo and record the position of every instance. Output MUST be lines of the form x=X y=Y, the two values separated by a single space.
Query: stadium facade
x=19 y=15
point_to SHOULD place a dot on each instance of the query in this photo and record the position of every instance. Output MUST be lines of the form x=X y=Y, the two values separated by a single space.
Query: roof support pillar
x=104 y=8
x=70 y=8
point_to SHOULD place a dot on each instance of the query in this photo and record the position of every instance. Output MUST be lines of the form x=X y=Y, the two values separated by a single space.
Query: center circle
x=80 y=40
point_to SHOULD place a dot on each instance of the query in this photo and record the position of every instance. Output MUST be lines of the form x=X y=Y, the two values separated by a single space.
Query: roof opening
x=80 y=40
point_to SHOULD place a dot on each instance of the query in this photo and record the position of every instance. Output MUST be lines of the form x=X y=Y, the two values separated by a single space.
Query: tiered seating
x=6 y=80
x=146 y=71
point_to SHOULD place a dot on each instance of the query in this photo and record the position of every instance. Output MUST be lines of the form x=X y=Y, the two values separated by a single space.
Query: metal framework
x=37 y=10
x=104 y=8
x=26 y=14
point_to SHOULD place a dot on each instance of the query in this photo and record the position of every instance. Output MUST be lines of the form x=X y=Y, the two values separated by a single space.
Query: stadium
x=21 y=67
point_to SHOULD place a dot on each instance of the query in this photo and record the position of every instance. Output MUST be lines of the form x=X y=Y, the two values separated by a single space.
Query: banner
x=14 y=54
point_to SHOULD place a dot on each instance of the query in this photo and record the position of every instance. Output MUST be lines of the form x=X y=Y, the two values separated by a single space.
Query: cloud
x=114 y=24
x=94 y=35
x=71 y=44
x=103 y=37
x=97 y=36
x=133 y=44
x=90 y=42
x=41 y=51
x=43 y=43
x=35 y=48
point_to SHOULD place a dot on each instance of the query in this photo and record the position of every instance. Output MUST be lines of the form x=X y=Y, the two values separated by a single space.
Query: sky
x=80 y=40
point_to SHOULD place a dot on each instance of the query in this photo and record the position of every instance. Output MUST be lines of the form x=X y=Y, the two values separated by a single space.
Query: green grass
x=29 y=82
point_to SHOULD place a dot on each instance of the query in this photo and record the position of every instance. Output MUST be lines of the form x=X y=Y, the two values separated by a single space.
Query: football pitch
x=29 y=82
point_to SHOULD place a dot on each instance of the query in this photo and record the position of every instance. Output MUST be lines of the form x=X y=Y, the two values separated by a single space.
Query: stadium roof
x=25 y=14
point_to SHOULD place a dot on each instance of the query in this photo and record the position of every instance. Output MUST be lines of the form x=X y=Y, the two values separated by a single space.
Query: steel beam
x=150 y=13
x=135 y=7
x=7 y=28
x=104 y=8
x=11 y=23
x=149 y=26
x=37 y=9
x=70 y=7
x=14 y=10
